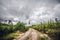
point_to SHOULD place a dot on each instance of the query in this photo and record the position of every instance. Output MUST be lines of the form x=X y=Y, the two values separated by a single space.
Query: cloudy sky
x=34 y=10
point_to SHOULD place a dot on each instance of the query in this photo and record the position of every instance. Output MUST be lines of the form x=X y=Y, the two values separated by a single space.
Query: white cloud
x=34 y=10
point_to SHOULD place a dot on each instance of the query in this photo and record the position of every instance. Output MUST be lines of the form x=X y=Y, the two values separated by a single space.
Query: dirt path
x=32 y=34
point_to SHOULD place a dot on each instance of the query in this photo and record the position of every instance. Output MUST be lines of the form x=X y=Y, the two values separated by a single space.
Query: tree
x=56 y=20
x=9 y=22
x=20 y=26
x=57 y=23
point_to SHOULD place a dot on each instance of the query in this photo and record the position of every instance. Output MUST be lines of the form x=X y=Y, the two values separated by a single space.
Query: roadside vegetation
x=10 y=31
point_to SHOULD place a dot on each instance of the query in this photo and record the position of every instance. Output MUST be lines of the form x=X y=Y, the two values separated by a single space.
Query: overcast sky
x=34 y=10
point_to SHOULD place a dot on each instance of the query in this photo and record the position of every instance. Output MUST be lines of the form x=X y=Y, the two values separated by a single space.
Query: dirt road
x=32 y=34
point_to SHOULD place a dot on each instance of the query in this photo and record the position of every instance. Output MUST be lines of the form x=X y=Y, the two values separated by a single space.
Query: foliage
x=6 y=29
x=50 y=28
x=46 y=26
x=11 y=35
x=20 y=26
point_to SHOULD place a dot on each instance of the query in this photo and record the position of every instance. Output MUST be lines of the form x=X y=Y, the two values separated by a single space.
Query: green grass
x=11 y=36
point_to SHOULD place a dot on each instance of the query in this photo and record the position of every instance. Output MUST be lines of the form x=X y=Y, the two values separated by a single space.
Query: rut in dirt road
x=33 y=34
